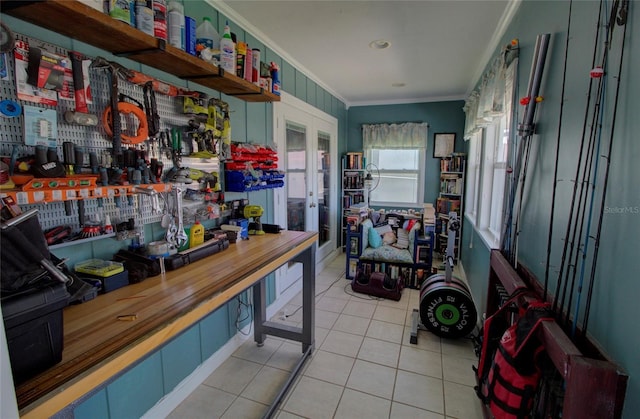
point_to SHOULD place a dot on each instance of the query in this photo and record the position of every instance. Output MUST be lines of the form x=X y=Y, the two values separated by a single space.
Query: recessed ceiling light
x=398 y=84
x=380 y=44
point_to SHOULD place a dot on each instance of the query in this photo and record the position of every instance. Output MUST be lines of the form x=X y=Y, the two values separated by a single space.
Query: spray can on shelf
x=255 y=67
x=241 y=54
x=160 y=19
x=144 y=17
x=175 y=24
x=275 y=78
x=227 y=51
x=248 y=65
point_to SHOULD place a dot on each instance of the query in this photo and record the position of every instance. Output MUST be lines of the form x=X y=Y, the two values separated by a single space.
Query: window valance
x=487 y=101
x=395 y=136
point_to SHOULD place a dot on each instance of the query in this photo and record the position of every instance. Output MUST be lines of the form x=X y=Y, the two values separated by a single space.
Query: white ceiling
x=438 y=48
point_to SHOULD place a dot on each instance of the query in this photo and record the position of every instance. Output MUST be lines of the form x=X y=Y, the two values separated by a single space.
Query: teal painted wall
x=138 y=389
x=441 y=117
x=613 y=317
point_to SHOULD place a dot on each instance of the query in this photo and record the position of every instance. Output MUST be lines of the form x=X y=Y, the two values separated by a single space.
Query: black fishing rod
x=555 y=170
x=621 y=20
x=586 y=183
x=560 y=285
x=596 y=139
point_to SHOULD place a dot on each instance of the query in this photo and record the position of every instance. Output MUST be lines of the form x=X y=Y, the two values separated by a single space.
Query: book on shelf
x=453 y=163
x=353 y=268
x=367 y=269
x=352 y=200
x=353 y=180
x=354 y=160
x=428 y=214
x=405 y=275
x=451 y=184
x=353 y=221
x=354 y=246
x=446 y=205
x=422 y=253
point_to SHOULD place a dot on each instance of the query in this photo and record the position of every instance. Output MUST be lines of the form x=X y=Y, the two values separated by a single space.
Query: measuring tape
x=128 y=108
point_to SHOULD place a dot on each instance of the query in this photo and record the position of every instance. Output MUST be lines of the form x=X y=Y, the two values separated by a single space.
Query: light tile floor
x=363 y=365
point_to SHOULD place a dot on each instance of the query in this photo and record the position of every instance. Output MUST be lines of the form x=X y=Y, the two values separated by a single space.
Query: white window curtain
x=487 y=102
x=395 y=136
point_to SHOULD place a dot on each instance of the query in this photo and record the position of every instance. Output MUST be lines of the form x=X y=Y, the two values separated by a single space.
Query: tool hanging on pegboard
x=126 y=152
x=115 y=70
x=81 y=115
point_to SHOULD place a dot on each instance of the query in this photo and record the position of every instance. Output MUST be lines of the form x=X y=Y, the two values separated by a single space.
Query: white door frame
x=314 y=119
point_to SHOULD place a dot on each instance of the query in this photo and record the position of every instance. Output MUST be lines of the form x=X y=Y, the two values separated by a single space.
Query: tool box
x=34 y=328
x=111 y=275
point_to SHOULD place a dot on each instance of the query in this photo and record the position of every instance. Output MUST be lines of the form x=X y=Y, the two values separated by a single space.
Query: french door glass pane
x=324 y=195
x=296 y=177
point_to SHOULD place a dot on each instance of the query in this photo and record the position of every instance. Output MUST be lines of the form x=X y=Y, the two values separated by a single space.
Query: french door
x=307 y=149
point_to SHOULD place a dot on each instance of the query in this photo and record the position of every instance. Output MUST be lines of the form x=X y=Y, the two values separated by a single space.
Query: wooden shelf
x=84 y=23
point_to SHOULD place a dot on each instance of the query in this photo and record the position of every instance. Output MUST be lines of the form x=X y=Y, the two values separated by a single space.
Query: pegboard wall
x=90 y=139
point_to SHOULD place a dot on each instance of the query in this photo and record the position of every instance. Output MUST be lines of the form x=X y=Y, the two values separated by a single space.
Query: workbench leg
x=259 y=311
x=308 y=260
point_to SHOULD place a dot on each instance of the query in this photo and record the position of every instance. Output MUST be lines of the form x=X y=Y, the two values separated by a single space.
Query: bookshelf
x=353 y=172
x=450 y=199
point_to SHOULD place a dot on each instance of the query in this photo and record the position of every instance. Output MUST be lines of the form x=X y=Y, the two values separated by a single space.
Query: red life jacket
x=492 y=330
x=510 y=384
x=515 y=374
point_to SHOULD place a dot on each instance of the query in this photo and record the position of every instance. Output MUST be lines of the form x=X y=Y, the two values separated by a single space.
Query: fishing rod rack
x=593 y=386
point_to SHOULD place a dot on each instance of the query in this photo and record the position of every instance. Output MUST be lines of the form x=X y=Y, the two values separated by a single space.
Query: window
x=488 y=131
x=395 y=158
x=493 y=175
x=499 y=167
x=473 y=176
x=398 y=176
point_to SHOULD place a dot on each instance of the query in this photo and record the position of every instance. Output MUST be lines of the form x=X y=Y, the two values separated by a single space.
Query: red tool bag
x=509 y=370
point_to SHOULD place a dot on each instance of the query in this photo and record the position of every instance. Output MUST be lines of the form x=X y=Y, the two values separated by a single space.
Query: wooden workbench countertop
x=98 y=346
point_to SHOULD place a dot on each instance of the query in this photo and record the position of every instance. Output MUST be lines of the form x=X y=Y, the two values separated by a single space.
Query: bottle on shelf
x=196 y=234
x=207 y=37
x=144 y=17
x=175 y=24
x=160 y=19
x=273 y=69
x=227 y=51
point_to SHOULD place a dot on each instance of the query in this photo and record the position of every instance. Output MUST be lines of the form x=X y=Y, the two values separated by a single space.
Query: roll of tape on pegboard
x=10 y=109
x=7 y=39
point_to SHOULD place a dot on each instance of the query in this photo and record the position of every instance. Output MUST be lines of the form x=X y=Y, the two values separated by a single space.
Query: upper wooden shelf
x=84 y=23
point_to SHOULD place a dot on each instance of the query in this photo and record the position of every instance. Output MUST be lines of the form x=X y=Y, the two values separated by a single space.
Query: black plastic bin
x=32 y=298
x=33 y=325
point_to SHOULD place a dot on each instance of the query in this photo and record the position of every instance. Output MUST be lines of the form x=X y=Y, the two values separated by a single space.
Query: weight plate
x=446 y=308
x=441 y=279
x=448 y=314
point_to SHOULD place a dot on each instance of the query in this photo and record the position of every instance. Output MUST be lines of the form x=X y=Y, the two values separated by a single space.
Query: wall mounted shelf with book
x=353 y=173
x=450 y=199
